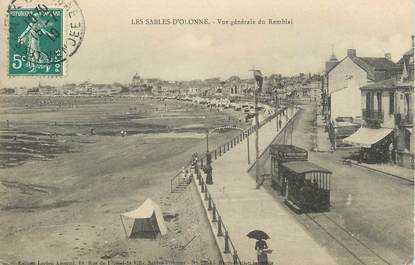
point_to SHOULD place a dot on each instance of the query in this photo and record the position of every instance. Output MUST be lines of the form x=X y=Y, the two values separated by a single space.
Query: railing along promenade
x=216 y=217
x=177 y=180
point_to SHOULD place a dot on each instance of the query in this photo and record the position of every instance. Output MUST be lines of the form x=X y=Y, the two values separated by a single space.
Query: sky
x=114 y=49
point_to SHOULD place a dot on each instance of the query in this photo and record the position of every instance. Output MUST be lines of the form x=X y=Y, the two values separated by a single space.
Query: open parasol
x=258 y=235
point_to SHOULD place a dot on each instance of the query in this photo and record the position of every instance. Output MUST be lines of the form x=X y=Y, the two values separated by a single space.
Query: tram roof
x=301 y=167
x=287 y=148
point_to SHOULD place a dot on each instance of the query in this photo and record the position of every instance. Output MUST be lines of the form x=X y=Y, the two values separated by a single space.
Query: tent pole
x=125 y=231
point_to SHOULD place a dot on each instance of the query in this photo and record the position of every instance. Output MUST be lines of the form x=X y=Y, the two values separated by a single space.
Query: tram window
x=326 y=182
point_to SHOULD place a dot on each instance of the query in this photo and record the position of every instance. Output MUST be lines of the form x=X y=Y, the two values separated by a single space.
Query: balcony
x=372 y=115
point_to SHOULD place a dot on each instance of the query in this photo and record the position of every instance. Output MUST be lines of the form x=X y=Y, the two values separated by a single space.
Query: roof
x=331 y=64
x=287 y=148
x=372 y=64
x=301 y=167
x=379 y=63
x=406 y=57
x=381 y=85
x=409 y=52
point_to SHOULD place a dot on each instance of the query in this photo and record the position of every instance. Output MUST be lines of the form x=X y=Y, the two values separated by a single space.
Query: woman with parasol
x=261 y=246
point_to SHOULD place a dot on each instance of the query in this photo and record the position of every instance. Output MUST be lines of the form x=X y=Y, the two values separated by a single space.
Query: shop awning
x=365 y=137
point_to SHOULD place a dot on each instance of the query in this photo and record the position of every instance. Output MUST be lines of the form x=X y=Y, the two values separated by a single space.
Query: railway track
x=359 y=250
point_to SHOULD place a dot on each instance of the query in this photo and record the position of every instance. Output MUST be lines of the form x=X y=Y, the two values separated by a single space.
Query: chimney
x=388 y=56
x=412 y=36
x=351 y=53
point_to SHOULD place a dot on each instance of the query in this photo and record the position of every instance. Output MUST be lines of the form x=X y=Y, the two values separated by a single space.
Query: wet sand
x=63 y=188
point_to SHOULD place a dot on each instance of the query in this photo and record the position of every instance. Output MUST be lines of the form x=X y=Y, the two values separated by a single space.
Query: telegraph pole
x=276 y=108
x=256 y=140
x=247 y=143
x=207 y=141
x=256 y=91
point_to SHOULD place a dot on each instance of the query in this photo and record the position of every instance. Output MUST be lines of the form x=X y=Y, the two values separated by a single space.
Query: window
x=368 y=102
x=391 y=103
x=379 y=99
x=407 y=103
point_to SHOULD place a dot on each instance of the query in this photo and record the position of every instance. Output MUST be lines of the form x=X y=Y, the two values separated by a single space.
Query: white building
x=388 y=115
x=348 y=75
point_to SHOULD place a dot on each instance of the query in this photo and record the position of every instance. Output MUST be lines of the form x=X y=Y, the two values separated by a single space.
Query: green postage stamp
x=43 y=35
x=36 y=41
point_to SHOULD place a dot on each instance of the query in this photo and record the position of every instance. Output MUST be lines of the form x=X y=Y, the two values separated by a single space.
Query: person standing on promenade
x=262 y=257
x=194 y=163
x=392 y=153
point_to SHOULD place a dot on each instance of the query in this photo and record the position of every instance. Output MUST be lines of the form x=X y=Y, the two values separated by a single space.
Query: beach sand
x=63 y=189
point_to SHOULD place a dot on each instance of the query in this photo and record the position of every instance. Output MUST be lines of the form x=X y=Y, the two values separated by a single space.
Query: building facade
x=345 y=78
x=387 y=109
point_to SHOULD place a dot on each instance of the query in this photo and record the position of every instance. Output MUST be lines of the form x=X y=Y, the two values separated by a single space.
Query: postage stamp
x=36 y=41
x=43 y=34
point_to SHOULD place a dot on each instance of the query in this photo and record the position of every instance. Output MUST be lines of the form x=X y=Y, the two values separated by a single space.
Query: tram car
x=280 y=154
x=308 y=186
x=305 y=185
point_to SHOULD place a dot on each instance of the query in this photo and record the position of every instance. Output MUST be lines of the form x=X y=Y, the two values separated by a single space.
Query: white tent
x=147 y=220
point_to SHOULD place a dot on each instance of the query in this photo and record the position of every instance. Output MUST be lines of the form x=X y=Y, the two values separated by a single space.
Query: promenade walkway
x=244 y=208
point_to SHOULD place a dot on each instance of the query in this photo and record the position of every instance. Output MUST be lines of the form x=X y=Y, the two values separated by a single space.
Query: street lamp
x=247 y=144
x=208 y=167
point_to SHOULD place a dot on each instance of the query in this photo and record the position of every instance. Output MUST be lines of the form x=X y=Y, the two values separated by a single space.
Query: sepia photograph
x=207 y=132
